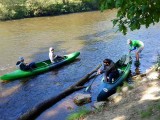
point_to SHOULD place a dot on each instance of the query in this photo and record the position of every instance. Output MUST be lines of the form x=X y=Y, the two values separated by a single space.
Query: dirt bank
x=142 y=102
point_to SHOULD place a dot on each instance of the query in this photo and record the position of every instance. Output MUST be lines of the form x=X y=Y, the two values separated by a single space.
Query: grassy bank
x=79 y=114
x=34 y=8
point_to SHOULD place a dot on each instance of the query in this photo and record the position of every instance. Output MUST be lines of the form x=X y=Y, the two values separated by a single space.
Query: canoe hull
x=107 y=89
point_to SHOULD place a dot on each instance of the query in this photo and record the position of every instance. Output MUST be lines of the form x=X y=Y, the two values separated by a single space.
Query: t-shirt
x=135 y=44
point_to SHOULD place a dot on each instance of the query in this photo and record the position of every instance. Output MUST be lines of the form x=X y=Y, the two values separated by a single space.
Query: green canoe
x=42 y=67
x=107 y=89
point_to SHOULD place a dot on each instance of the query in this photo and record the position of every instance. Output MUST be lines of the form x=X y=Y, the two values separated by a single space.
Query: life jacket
x=18 y=64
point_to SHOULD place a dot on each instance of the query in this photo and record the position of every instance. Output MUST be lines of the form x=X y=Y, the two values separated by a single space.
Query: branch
x=37 y=110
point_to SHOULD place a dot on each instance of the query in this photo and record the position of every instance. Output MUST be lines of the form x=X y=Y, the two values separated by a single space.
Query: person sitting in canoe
x=54 y=58
x=24 y=66
x=135 y=44
x=109 y=69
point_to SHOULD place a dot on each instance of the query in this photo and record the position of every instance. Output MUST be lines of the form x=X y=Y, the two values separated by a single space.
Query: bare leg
x=137 y=56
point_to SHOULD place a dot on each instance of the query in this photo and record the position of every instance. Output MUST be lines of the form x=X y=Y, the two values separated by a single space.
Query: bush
x=33 y=8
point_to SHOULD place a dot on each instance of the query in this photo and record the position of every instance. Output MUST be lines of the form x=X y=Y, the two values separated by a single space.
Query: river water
x=91 y=33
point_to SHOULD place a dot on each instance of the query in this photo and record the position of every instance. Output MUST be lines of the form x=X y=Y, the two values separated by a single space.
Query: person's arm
x=131 y=48
x=101 y=69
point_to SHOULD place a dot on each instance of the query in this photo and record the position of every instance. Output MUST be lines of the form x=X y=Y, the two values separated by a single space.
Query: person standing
x=135 y=45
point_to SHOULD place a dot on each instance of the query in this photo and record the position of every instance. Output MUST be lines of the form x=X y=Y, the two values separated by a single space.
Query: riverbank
x=10 y=10
x=142 y=102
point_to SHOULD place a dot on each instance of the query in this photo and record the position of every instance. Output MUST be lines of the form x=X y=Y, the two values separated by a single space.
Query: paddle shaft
x=89 y=87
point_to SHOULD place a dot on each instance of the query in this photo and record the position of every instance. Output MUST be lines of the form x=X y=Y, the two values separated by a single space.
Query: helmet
x=51 y=49
x=21 y=58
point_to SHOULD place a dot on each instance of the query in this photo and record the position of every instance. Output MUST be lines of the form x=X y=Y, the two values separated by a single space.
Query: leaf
x=144 y=8
x=103 y=5
x=156 y=17
x=119 y=3
x=115 y=22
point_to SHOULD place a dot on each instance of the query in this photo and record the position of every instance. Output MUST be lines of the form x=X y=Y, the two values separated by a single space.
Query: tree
x=133 y=13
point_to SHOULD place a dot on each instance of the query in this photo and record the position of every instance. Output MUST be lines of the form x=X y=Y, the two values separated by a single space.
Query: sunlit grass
x=81 y=113
x=151 y=110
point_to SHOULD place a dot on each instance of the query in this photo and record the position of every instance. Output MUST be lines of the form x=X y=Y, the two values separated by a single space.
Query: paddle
x=88 y=89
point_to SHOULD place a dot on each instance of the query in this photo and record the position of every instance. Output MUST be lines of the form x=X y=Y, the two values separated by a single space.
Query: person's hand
x=99 y=72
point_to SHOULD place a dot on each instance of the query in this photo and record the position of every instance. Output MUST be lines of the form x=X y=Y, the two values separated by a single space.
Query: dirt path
x=142 y=102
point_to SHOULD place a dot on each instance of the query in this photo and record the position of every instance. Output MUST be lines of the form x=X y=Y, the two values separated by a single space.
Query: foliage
x=91 y=4
x=12 y=10
x=118 y=89
x=146 y=113
x=81 y=113
x=133 y=13
x=32 y=8
x=155 y=108
x=158 y=60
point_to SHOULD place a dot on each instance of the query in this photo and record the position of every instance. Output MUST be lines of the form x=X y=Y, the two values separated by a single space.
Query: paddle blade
x=88 y=89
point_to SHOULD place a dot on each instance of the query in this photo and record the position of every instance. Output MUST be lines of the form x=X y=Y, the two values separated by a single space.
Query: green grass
x=146 y=113
x=125 y=84
x=151 y=110
x=158 y=60
x=81 y=113
x=118 y=90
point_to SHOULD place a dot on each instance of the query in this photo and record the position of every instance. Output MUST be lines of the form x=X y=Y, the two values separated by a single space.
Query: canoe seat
x=45 y=63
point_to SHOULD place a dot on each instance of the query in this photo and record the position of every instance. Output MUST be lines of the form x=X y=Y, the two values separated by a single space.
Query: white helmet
x=21 y=58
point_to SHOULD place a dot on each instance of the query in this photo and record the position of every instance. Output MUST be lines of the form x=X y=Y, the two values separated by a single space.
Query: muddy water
x=91 y=33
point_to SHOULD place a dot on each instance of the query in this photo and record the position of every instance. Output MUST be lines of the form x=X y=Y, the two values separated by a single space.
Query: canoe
x=107 y=89
x=42 y=67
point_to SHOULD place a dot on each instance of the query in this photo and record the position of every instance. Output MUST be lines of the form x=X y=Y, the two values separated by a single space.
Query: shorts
x=139 y=50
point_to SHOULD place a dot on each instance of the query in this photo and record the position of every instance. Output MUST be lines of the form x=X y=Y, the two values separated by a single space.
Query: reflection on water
x=91 y=33
x=137 y=67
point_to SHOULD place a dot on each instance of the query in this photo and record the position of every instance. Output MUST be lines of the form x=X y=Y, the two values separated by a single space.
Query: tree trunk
x=37 y=110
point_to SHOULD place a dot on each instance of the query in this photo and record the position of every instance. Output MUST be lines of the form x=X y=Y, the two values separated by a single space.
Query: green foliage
x=32 y=8
x=99 y=109
x=11 y=10
x=118 y=89
x=146 y=113
x=90 y=4
x=158 y=60
x=150 y=110
x=133 y=13
x=81 y=113
x=158 y=106
x=125 y=84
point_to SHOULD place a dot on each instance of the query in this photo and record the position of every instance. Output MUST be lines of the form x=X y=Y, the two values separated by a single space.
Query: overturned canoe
x=42 y=67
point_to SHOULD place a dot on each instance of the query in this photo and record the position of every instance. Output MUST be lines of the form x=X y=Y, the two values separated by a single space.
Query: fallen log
x=37 y=110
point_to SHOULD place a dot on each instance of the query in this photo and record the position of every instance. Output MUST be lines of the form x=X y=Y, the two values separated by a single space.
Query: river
x=91 y=33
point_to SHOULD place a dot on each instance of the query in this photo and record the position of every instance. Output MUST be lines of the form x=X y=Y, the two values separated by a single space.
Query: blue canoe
x=107 y=89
